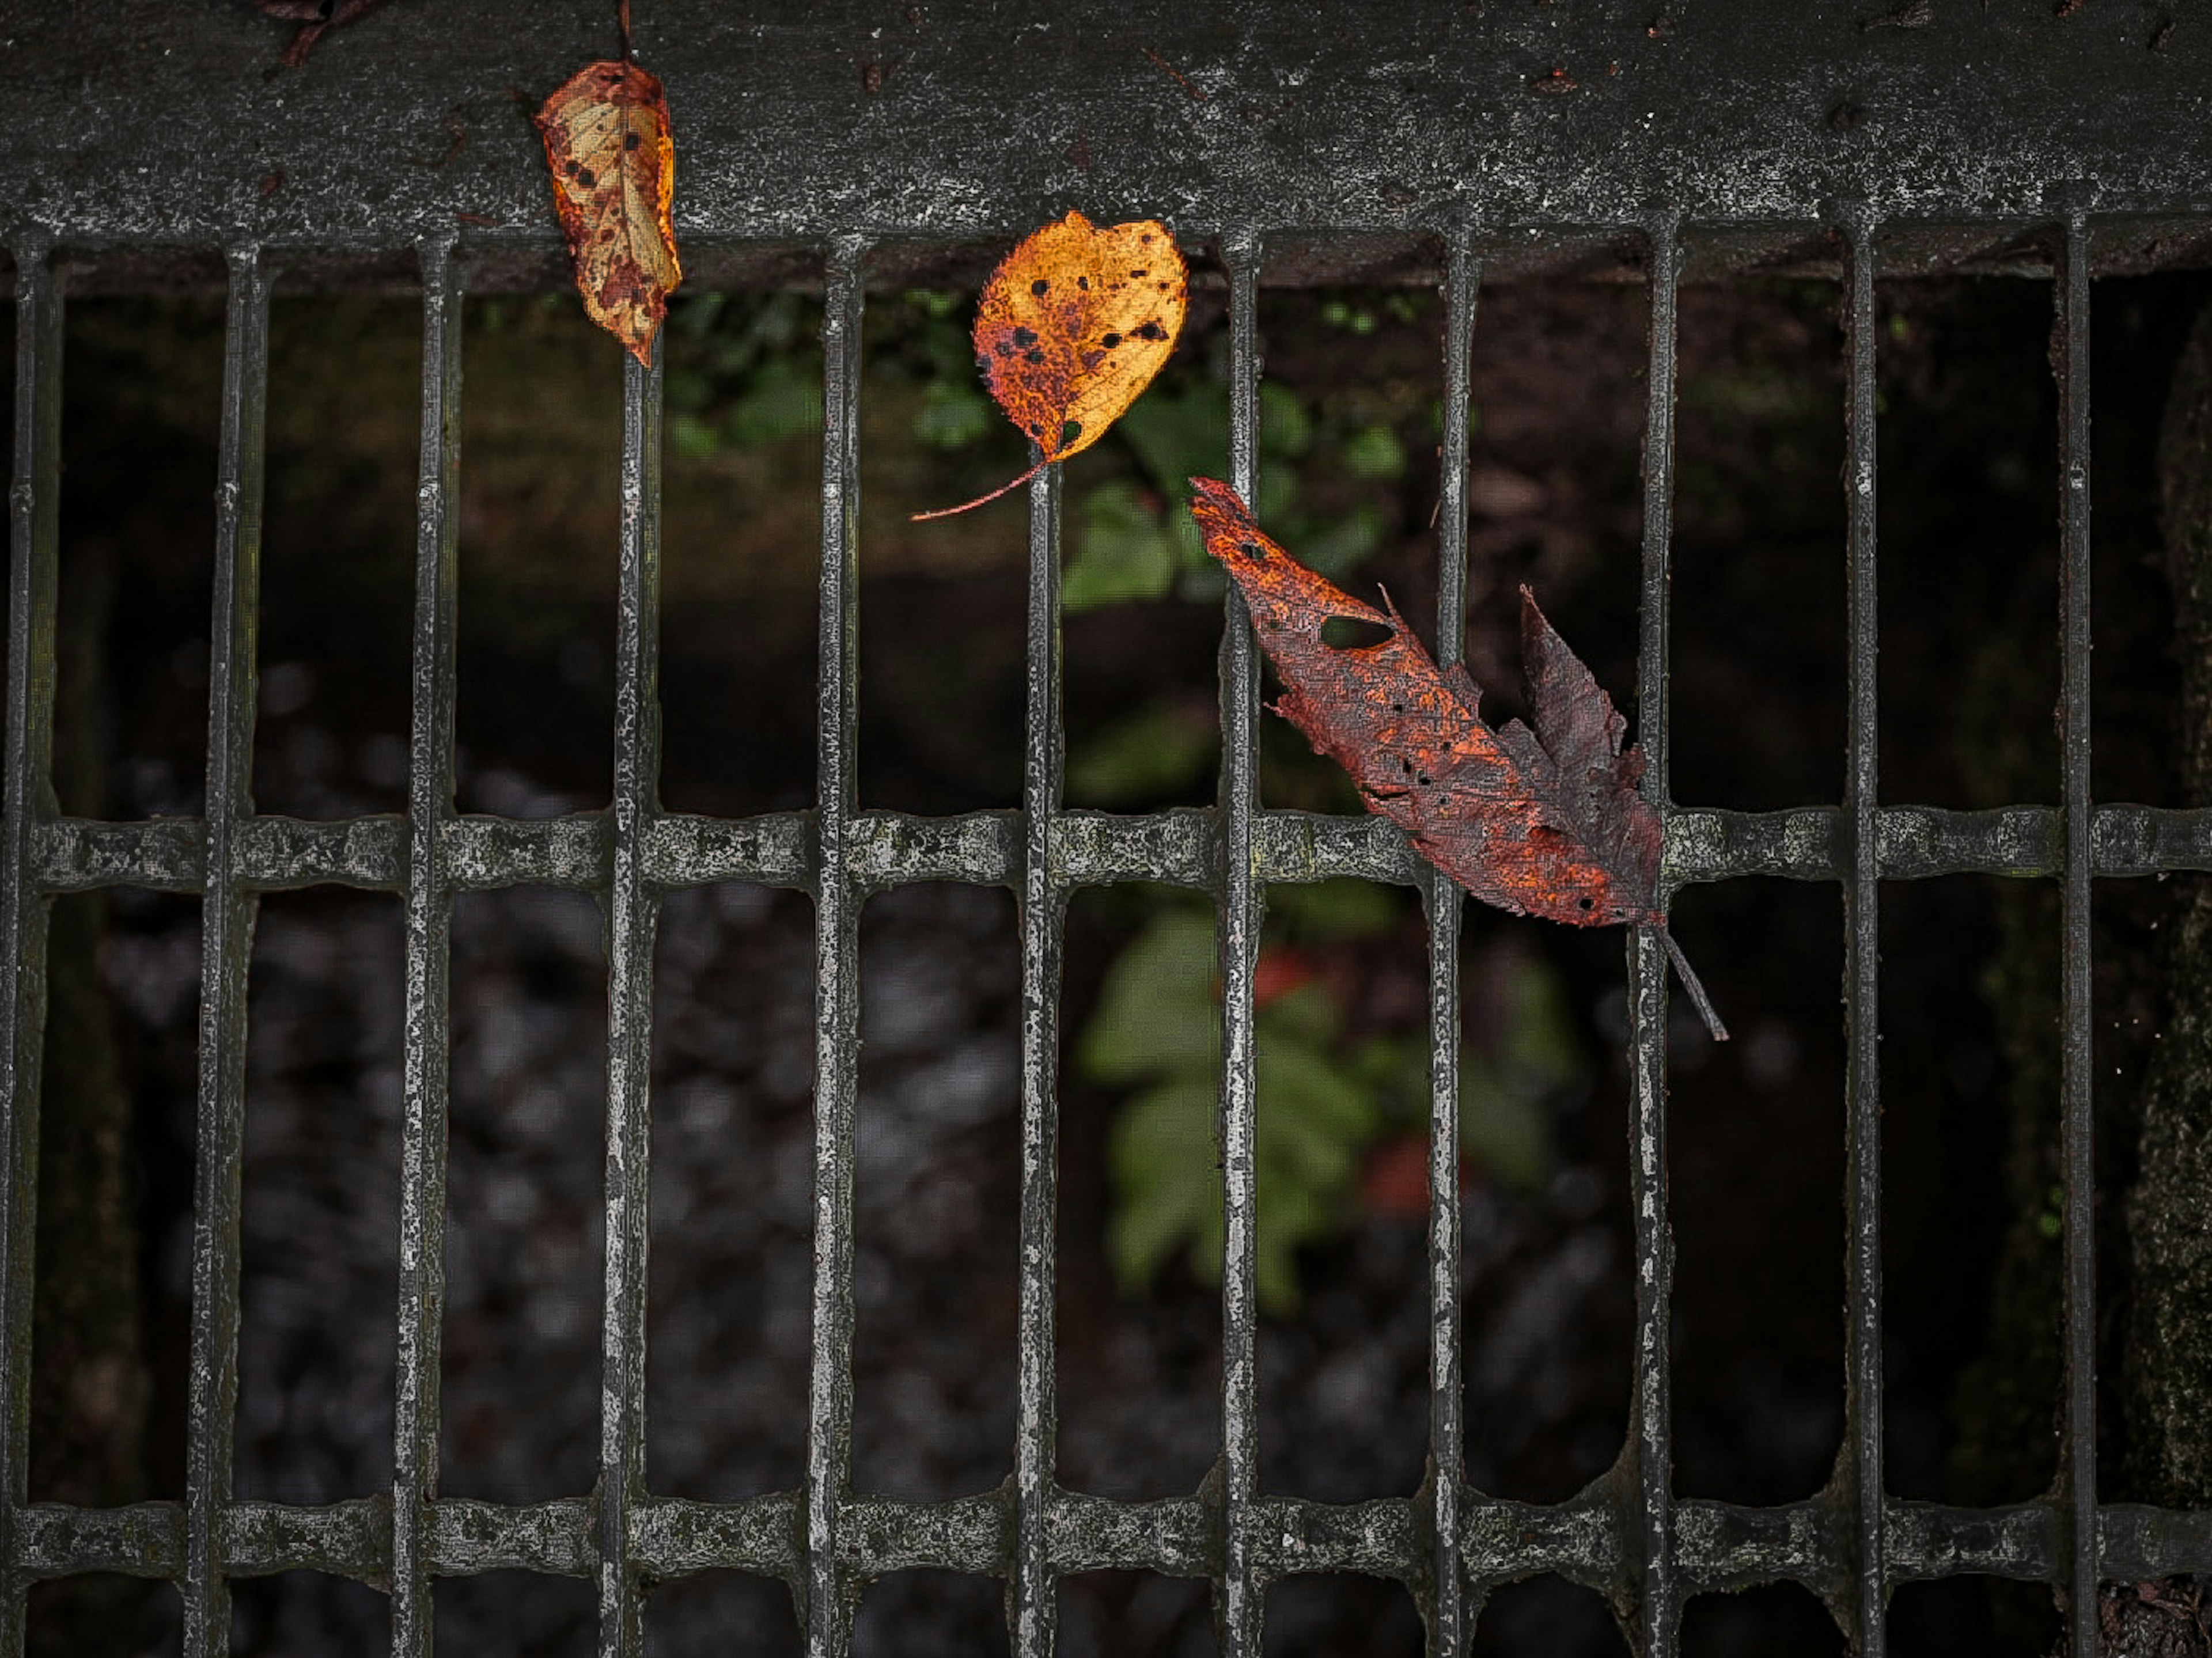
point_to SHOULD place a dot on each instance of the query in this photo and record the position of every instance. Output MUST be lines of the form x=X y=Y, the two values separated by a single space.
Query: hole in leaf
x=1069 y=432
x=1351 y=633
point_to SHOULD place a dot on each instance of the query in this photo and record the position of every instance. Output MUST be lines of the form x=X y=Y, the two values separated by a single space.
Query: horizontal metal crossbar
x=1719 y=1545
x=888 y=849
x=1629 y=1536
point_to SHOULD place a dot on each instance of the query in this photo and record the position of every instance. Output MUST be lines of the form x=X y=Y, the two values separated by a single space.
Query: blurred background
x=1350 y=423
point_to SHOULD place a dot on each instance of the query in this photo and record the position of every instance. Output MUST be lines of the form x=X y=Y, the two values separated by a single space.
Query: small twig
x=1699 y=1000
x=1180 y=78
x=966 y=506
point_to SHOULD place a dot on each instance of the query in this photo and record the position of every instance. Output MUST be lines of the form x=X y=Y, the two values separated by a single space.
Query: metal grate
x=1628 y=1537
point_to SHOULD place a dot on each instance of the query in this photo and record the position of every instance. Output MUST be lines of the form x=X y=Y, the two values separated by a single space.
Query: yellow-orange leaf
x=614 y=173
x=1072 y=325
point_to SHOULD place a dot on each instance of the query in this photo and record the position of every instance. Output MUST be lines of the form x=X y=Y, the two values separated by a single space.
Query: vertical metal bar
x=1446 y=907
x=2078 y=1475
x=226 y=946
x=836 y=957
x=1860 y=1465
x=1033 y=1589
x=1238 y=1607
x=1651 y=1450
x=633 y=911
x=429 y=912
x=33 y=502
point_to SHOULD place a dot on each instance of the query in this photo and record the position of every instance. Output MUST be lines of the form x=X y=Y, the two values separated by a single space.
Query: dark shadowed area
x=1350 y=435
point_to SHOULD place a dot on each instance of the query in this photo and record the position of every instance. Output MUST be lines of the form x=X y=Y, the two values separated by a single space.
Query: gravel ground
x=1343 y=1401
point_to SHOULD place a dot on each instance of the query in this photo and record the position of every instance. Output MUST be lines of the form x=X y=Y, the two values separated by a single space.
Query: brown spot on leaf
x=613 y=162
x=1036 y=338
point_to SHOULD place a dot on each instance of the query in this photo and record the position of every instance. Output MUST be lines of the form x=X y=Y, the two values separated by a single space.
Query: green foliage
x=1323 y=1099
x=744 y=371
x=1131 y=543
x=1158 y=1029
x=952 y=416
x=1503 y=1093
x=1126 y=551
x=1160 y=750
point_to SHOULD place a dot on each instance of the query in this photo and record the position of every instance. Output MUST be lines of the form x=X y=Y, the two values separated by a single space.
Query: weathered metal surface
x=33 y=509
x=1239 y=1603
x=877 y=1534
x=145 y=1539
x=776 y=850
x=465 y=1537
x=426 y=1062
x=227 y=910
x=633 y=912
x=260 y=1539
x=1648 y=1601
x=572 y=851
x=1176 y=1535
x=1928 y=1542
x=671 y=1537
x=1863 y=1608
x=1033 y=1598
x=1583 y=1540
x=1354 y=125
x=2077 y=1475
x=1722 y=1546
x=1439 y=1590
x=1718 y=1547
x=890 y=848
x=829 y=1592
x=1090 y=849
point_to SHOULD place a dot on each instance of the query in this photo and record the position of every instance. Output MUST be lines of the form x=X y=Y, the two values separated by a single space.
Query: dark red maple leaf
x=1541 y=821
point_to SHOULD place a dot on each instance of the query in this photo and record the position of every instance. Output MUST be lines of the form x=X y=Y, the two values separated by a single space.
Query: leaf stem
x=622 y=24
x=1691 y=983
x=968 y=506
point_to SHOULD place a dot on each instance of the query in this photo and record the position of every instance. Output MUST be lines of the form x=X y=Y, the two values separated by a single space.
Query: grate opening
x=318 y=1262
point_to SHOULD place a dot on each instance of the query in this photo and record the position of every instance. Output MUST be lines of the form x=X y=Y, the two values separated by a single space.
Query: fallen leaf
x=1072 y=325
x=1545 y=822
x=607 y=141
